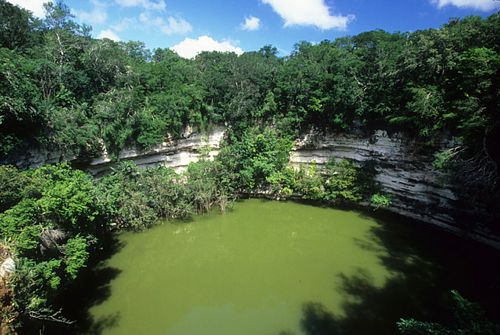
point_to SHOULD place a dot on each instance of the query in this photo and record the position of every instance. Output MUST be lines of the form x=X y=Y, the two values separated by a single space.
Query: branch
x=50 y=317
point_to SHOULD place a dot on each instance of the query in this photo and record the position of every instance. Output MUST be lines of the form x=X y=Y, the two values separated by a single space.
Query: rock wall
x=417 y=190
x=176 y=154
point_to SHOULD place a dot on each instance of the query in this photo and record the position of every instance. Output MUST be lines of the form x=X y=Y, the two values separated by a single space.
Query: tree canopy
x=68 y=90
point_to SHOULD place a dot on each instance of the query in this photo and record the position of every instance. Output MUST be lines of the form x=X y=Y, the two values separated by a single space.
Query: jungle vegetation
x=62 y=90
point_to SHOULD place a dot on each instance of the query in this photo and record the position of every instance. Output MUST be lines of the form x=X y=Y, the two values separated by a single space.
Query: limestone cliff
x=176 y=154
x=417 y=190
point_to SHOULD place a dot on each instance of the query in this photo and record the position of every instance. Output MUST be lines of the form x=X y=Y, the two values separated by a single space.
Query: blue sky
x=244 y=25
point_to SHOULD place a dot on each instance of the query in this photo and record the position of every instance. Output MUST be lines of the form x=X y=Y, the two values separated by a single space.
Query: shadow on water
x=425 y=264
x=92 y=288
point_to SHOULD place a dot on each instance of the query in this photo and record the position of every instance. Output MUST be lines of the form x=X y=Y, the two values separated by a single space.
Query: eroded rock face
x=51 y=240
x=417 y=190
x=176 y=154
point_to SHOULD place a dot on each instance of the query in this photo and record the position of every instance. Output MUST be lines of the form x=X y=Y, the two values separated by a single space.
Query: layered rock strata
x=417 y=190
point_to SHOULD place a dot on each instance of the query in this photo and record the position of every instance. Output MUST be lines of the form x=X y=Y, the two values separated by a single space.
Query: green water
x=269 y=268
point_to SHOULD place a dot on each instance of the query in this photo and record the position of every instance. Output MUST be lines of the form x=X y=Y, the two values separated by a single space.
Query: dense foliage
x=54 y=217
x=59 y=87
x=134 y=199
x=469 y=319
x=61 y=90
x=50 y=226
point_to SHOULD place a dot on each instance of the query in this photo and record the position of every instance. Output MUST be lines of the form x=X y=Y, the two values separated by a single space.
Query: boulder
x=51 y=239
x=8 y=267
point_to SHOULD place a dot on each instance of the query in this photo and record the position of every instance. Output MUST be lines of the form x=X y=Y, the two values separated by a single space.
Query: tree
x=18 y=28
x=136 y=51
x=20 y=101
x=252 y=159
x=104 y=63
x=64 y=41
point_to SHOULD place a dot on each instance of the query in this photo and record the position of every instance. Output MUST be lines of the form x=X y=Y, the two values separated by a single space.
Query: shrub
x=75 y=255
x=12 y=184
x=309 y=183
x=380 y=200
x=254 y=157
x=469 y=320
x=120 y=198
x=442 y=159
x=166 y=193
x=283 y=182
x=342 y=181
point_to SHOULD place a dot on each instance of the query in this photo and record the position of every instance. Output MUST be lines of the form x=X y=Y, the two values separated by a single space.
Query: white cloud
x=148 y=4
x=35 y=6
x=97 y=15
x=308 y=13
x=251 y=23
x=484 y=5
x=108 y=33
x=124 y=24
x=170 y=27
x=145 y=18
x=176 y=26
x=189 y=48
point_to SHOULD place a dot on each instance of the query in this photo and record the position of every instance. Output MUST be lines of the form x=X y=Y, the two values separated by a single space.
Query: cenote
x=269 y=267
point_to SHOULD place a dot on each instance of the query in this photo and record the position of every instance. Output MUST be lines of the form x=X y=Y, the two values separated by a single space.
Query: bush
x=442 y=159
x=253 y=158
x=12 y=184
x=52 y=198
x=121 y=199
x=342 y=181
x=165 y=193
x=309 y=183
x=207 y=186
x=67 y=197
x=75 y=255
x=469 y=319
x=380 y=201
x=283 y=182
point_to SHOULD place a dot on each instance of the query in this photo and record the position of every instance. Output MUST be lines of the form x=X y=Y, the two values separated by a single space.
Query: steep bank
x=417 y=190
x=176 y=154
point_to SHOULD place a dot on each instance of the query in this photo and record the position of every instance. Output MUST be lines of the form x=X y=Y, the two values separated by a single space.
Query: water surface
x=273 y=268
